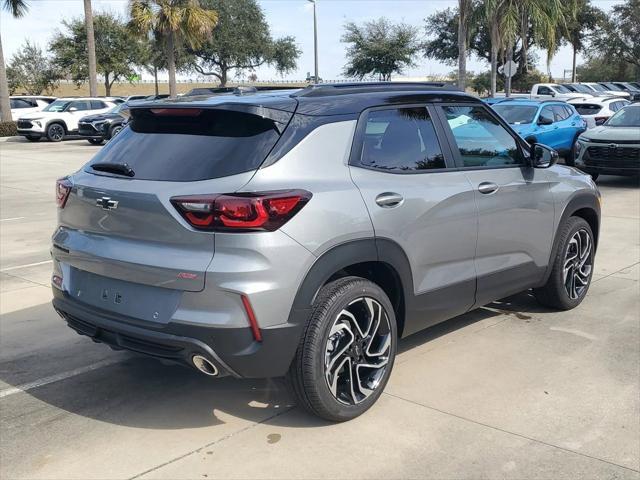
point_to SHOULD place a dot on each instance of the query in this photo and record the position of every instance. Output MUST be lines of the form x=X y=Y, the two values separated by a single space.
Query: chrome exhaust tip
x=204 y=365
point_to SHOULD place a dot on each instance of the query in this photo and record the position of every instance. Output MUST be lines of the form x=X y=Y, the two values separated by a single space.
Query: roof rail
x=330 y=89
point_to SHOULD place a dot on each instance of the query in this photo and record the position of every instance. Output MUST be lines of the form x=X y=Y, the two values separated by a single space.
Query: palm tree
x=91 y=47
x=17 y=8
x=492 y=12
x=464 y=13
x=177 y=22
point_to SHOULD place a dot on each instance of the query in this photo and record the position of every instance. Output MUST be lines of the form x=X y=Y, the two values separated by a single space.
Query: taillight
x=63 y=188
x=237 y=212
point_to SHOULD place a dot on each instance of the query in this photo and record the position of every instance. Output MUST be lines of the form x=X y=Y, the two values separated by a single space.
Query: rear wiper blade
x=119 y=168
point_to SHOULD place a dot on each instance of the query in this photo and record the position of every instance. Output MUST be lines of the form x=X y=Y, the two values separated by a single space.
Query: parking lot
x=508 y=391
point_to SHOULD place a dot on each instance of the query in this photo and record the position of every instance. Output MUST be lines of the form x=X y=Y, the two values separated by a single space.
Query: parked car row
x=95 y=118
x=612 y=146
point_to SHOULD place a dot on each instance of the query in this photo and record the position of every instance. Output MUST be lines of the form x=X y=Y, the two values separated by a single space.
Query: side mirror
x=543 y=156
x=531 y=140
x=542 y=120
x=553 y=94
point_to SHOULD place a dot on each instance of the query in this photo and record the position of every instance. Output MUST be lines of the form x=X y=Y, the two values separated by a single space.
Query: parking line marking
x=10 y=219
x=25 y=387
x=18 y=267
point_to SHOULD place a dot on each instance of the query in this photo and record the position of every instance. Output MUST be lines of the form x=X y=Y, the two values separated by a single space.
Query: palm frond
x=17 y=8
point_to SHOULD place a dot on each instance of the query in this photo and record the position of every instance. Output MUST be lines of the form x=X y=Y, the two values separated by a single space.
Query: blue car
x=552 y=123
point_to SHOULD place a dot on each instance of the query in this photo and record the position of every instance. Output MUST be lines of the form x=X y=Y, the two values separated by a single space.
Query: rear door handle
x=389 y=199
x=487 y=187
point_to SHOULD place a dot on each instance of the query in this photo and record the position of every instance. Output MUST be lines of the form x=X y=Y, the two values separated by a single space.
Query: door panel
x=515 y=230
x=514 y=202
x=431 y=215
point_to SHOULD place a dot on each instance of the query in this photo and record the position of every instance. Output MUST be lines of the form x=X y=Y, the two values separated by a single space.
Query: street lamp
x=315 y=41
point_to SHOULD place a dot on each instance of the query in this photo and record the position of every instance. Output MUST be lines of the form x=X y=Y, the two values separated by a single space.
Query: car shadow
x=618 y=181
x=142 y=392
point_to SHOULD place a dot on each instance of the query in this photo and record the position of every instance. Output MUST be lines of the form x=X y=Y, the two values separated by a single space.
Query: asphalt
x=511 y=390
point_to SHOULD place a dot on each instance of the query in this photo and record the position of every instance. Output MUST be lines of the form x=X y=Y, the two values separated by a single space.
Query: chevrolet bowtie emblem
x=106 y=203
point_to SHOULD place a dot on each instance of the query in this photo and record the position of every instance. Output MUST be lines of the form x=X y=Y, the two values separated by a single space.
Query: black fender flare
x=580 y=201
x=56 y=120
x=345 y=255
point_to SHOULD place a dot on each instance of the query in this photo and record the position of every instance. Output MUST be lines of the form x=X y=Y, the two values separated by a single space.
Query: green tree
x=242 y=41
x=32 y=71
x=380 y=48
x=600 y=69
x=618 y=36
x=154 y=60
x=116 y=51
x=17 y=8
x=580 y=27
x=176 y=23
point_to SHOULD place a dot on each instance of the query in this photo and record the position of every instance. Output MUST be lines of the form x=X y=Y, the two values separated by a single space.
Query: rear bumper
x=233 y=350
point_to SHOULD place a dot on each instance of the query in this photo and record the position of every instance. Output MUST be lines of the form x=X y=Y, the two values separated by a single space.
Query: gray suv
x=302 y=233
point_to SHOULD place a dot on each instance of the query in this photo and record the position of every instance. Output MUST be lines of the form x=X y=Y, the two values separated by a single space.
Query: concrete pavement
x=508 y=391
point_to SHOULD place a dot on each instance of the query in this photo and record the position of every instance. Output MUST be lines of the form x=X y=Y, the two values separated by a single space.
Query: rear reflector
x=63 y=188
x=253 y=322
x=241 y=212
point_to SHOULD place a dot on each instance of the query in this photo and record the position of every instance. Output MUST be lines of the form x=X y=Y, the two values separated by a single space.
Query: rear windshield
x=184 y=145
x=587 y=108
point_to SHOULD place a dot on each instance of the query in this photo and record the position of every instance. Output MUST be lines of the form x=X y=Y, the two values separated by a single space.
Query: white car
x=553 y=91
x=60 y=118
x=596 y=87
x=596 y=111
x=23 y=104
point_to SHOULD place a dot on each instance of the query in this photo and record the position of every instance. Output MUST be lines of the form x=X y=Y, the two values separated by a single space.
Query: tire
x=55 y=132
x=95 y=141
x=114 y=131
x=566 y=293
x=31 y=138
x=328 y=330
x=570 y=160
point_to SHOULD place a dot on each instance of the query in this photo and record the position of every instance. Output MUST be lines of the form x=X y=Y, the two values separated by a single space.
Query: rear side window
x=97 y=105
x=588 y=108
x=401 y=140
x=185 y=145
x=81 y=105
x=559 y=113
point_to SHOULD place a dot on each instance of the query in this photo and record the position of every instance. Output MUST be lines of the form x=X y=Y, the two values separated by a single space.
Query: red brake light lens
x=265 y=211
x=63 y=189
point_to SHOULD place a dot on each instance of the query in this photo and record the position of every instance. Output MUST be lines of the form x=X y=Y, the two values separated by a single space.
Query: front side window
x=401 y=139
x=57 y=106
x=544 y=91
x=547 y=112
x=481 y=140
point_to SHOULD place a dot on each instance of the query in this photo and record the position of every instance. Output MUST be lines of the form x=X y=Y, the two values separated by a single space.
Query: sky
x=285 y=17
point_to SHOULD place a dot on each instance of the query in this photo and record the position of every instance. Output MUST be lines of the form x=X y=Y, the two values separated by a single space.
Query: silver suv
x=302 y=233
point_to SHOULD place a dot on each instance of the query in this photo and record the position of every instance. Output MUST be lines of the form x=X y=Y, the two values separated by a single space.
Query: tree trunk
x=91 y=47
x=5 y=105
x=573 y=65
x=462 y=44
x=524 y=30
x=107 y=85
x=507 y=79
x=171 y=64
x=155 y=79
x=223 y=75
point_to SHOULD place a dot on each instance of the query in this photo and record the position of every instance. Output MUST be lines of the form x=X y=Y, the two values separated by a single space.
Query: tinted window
x=559 y=113
x=20 y=103
x=97 y=105
x=401 y=139
x=517 y=114
x=588 y=108
x=547 y=112
x=544 y=91
x=481 y=140
x=80 y=105
x=191 y=145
